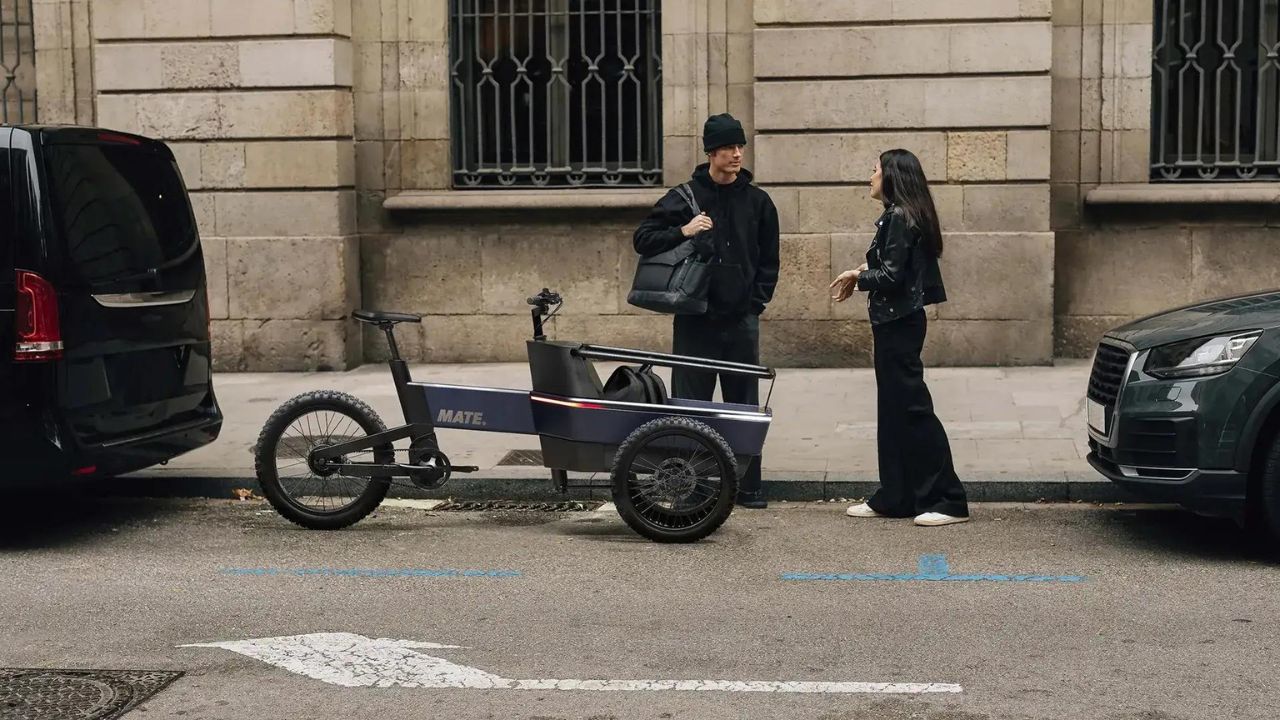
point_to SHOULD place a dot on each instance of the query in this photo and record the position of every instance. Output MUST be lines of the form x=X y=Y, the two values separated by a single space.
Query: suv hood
x=1218 y=317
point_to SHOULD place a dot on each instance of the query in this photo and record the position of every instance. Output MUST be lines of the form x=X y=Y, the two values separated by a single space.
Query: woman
x=901 y=277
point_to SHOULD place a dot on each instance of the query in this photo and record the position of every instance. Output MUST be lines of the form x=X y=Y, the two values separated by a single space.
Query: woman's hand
x=844 y=284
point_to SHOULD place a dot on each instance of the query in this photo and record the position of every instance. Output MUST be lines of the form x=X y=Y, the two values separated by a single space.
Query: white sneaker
x=934 y=519
x=862 y=511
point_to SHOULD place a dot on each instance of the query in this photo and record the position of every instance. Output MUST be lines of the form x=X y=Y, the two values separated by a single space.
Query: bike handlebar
x=546 y=297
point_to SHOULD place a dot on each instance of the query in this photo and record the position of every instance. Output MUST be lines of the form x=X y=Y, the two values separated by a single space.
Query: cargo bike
x=325 y=459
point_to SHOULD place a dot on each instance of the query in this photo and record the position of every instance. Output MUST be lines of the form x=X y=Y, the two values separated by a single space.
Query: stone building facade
x=317 y=140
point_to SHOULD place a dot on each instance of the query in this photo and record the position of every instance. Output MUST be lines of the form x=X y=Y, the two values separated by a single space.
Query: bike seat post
x=390 y=330
x=413 y=402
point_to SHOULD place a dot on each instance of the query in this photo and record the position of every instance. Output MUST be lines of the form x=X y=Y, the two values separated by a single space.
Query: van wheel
x=674 y=480
x=307 y=491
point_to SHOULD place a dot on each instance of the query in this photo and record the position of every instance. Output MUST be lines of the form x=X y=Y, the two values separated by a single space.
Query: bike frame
x=418 y=426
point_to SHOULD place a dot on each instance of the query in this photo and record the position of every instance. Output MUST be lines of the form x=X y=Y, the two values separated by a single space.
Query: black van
x=105 y=361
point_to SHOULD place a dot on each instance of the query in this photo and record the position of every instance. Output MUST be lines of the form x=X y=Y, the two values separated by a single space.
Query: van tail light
x=111 y=137
x=39 y=333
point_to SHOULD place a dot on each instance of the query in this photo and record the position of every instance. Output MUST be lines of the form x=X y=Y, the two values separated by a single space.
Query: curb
x=789 y=487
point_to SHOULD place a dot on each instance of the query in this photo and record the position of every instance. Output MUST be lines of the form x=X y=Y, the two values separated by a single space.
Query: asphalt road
x=1157 y=614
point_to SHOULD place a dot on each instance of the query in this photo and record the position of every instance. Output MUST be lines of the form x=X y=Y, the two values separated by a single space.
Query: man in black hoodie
x=738 y=231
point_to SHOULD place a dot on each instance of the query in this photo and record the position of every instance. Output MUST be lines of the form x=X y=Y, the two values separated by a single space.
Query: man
x=738 y=231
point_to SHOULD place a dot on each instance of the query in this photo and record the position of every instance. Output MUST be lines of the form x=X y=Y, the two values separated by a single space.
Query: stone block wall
x=63 y=55
x=254 y=97
x=428 y=249
x=1102 y=100
x=472 y=279
x=1127 y=247
x=973 y=100
x=315 y=138
x=401 y=98
x=974 y=103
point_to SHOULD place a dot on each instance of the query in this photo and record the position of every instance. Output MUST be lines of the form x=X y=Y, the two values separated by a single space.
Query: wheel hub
x=675 y=478
x=324 y=467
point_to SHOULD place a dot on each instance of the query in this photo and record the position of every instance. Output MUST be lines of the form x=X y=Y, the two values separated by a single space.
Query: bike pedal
x=466 y=468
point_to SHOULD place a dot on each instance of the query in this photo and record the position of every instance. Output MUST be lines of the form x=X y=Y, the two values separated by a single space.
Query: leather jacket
x=902 y=275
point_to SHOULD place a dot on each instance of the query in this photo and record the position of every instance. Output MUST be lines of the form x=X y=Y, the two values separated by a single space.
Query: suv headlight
x=1200 y=357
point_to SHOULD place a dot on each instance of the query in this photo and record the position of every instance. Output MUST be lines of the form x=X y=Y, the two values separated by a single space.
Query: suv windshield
x=123 y=217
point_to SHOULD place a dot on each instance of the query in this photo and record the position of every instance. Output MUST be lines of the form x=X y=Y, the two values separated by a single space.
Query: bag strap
x=653 y=389
x=686 y=192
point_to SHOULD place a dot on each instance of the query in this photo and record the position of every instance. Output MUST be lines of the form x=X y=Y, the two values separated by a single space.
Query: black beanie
x=721 y=130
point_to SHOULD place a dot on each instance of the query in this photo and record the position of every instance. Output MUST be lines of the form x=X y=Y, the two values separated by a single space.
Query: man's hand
x=696 y=225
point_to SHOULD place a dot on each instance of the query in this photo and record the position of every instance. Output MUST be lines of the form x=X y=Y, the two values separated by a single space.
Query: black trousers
x=734 y=339
x=917 y=474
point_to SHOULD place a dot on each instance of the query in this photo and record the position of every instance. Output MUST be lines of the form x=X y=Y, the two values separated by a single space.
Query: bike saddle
x=377 y=318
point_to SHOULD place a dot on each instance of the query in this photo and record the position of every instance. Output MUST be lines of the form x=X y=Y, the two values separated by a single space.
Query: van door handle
x=144 y=299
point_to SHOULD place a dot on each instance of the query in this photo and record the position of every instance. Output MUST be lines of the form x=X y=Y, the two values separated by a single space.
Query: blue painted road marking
x=370 y=572
x=933 y=565
x=934 y=568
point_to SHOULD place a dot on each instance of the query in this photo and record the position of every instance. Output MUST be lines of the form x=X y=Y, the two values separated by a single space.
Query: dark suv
x=104 y=315
x=1184 y=407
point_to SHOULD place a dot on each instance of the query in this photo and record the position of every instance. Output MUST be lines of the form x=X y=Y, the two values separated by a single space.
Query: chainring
x=431 y=470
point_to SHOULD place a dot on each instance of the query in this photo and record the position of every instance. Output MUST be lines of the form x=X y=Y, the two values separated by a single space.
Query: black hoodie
x=743 y=242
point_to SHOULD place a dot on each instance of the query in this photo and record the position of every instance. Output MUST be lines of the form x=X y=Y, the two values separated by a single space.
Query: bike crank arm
x=374 y=470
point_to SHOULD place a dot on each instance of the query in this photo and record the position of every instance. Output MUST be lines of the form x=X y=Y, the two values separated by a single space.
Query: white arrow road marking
x=352 y=660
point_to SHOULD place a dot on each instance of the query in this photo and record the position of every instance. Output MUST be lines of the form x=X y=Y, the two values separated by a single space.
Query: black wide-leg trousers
x=917 y=474
x=731 y=339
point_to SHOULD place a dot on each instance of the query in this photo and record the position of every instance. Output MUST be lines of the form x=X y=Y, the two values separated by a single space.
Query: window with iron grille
x=555 y=93
x=17 y=62
x=1216 y=91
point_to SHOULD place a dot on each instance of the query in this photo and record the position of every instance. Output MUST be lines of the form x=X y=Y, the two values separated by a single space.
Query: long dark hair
x=904 y=185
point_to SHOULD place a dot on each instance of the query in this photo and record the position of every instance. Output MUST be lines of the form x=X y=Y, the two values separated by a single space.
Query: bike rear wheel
x=310 y=492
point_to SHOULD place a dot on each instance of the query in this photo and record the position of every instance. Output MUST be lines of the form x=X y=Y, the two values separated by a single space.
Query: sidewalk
x=1017 y=434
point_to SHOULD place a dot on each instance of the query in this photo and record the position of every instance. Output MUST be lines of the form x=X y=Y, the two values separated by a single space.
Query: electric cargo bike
x=325 y=459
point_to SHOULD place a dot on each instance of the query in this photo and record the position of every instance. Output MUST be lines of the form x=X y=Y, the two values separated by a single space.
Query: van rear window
x=123 y=217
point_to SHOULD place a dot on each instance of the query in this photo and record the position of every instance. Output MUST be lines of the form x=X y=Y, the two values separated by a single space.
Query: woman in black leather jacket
x=901 y=276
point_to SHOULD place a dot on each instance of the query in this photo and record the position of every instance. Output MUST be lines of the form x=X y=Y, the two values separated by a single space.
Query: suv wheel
x=1266 y=510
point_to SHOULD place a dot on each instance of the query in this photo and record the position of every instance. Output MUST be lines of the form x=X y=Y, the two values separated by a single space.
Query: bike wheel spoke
x=677 y=480
x=329 y=492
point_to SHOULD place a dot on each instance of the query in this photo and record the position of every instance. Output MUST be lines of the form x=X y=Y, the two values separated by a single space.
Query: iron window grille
x=1216 y=91
x=555 y=93
x=17 y=62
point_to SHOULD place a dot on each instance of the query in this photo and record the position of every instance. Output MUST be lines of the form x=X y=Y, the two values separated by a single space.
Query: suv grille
x=1108 y=374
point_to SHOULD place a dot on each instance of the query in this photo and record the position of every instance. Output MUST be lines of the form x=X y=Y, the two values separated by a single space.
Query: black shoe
x=752 y=501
